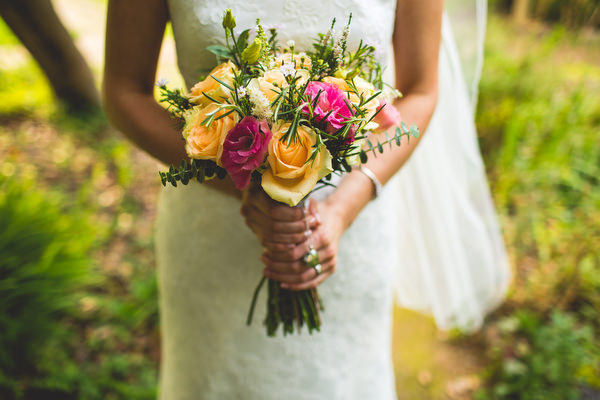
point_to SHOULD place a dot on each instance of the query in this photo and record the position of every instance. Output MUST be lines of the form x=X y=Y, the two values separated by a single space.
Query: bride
x=430 y=235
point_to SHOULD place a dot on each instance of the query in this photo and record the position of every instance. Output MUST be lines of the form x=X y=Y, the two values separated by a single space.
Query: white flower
x=337 y=52
x=291 y=43
x=242 y=92
x=287 y=69
x=161 y=82
x=261 y=106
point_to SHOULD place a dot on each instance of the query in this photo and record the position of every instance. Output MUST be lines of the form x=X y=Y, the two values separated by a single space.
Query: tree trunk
x=38 y=27
x=520 y=11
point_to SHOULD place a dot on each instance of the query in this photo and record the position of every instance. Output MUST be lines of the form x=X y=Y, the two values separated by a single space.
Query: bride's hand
x=277 y=226
x=288 y=266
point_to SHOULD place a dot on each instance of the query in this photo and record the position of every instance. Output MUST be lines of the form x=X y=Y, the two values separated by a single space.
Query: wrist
x=351 y=196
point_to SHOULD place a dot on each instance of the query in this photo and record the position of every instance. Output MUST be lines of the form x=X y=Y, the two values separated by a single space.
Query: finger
x=285 y=213
x=306 y=275
x=289 y=268
x=319 y=242
x=274 y=209
x=296 y=266
x=254 y=217
x=257 y=198
x=313 y=283
x=284 y=238
x=298 y=226
x=314 y=210
x=257 y=217
x=273 y=247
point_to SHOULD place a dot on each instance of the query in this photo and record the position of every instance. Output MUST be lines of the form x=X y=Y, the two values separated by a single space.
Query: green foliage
x=199 y=170
x=572 y=13
x=6 y=35
x=538 y=118
x=44 y=262
x=24 y=89
x=538 y=359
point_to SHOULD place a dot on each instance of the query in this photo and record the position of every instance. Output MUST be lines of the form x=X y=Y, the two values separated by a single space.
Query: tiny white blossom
x=291 y=43
x=261 y=105
x=330 y=33
x=161 y=82
x=242 y=92
x=287 y=69
x=337 y=51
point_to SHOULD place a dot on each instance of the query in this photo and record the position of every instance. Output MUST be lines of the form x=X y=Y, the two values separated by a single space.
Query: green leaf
x=414 y=131
x=398 y=136
x=220 y=51
x=363 y=157
x=242 y=41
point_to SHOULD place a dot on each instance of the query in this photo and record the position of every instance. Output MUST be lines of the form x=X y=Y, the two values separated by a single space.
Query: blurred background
x=78 y=311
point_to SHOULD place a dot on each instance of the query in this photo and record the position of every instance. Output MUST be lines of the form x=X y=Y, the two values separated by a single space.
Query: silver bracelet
x=376 y=184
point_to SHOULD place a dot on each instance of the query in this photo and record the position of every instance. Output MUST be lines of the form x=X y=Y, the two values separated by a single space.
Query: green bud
x=251 y=54
x=228 y=20
x=341 y=73
x=352 y=74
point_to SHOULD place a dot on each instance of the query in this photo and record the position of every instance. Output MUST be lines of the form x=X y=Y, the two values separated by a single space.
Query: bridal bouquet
x=285 y=120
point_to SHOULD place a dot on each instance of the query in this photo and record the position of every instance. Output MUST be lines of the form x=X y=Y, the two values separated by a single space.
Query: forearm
x=151 y=128
x=134 y=35
x=356 y=190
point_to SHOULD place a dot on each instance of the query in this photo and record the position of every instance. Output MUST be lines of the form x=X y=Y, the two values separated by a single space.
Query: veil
x=467 y=19
x=452 y=259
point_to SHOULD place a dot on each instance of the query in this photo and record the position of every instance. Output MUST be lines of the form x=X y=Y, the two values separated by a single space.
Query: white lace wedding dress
x=208 y=260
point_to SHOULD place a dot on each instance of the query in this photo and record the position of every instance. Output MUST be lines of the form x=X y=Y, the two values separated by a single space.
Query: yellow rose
x=206 y=143
x=271 y=83
x=290 y=177
x=301 y=61
x=363 y=87
x=266 y=84
x=211 y=87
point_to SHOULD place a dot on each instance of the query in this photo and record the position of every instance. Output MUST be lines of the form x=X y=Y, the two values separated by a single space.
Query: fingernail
x=307 y=233
x=284 y=285
x=318 y=217
x=290 y=246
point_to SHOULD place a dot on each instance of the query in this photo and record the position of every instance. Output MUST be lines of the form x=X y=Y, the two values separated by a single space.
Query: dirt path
x=429 y=365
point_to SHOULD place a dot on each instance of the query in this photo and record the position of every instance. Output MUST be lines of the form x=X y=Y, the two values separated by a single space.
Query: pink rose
x=333 y=108
x=244 y=149
x=387 y=116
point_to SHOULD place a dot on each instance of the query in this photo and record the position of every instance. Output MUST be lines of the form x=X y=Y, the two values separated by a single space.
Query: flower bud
x=341 y=73
x=228 y=20
x=251 y=54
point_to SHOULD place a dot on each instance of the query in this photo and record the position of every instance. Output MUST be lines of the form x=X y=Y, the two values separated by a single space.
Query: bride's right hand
x=278 y=226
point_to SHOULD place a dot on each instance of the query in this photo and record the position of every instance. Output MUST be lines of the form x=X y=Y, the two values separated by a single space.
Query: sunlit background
x=78 y=311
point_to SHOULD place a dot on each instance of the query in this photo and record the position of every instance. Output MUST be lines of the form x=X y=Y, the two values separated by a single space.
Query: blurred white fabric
x=452 y=259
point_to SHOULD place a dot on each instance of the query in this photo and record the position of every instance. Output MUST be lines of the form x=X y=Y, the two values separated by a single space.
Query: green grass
x=6 y=35
x=539 y=119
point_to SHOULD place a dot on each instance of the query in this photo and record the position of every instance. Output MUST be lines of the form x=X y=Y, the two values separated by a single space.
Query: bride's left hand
x=288 y=266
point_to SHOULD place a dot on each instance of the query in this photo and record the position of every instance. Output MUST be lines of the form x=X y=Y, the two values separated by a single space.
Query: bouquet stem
x=288 y=308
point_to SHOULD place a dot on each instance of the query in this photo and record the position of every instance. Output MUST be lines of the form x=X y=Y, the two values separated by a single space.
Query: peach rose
x=301 y=61
x=363 y=87
x=290 y=176
x=211 y=87
x=202 y=142
x=271 y=83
